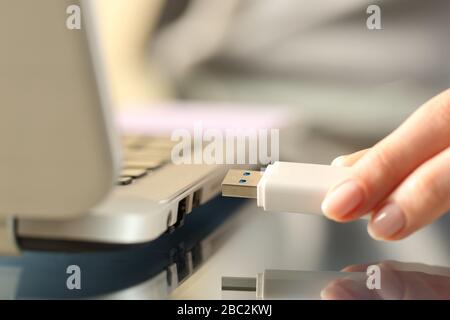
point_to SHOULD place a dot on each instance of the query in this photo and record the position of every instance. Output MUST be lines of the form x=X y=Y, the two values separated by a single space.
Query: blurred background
x=348 y=86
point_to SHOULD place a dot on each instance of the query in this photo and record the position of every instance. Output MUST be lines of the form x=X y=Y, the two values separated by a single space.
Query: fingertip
x=342 y=201
x=373 y=235
x=335 y=291
x=339 y=161
x=355 y=268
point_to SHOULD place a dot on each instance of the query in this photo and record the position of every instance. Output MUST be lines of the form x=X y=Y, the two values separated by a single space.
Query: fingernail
x=387 y=222
x=343 y=199
x=338 y=162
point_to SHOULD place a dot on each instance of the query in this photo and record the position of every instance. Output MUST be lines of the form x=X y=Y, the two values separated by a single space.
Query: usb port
x=184 y=207
x=197 y=198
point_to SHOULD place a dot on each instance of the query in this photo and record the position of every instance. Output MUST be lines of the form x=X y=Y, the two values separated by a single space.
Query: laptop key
x=124 y=181
x=148 y=165
x=162 y=144
x=160 y=153
x=129 y=140
x=133 y=173
x=145 y=158
x=142 y=154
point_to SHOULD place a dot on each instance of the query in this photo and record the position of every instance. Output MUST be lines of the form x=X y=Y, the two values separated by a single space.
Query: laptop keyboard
x=142 y=155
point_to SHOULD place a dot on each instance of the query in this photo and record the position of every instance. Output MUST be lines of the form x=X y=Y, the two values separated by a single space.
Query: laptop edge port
x=184 y=207
x=196 y=201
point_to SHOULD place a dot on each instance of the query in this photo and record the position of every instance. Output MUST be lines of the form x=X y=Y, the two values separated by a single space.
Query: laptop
x=152 y=270
x=67 y=174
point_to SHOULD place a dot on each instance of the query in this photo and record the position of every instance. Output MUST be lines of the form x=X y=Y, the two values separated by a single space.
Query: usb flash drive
x=285 y=186
x=288 y=284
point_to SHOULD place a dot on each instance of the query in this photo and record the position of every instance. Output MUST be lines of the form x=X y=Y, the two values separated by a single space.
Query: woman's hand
x=404 y=180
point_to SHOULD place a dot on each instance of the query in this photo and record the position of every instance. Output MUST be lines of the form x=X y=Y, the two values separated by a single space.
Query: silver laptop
x=65 y=172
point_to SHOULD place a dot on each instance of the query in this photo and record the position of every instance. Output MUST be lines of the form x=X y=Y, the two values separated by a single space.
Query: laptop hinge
x=8 y=243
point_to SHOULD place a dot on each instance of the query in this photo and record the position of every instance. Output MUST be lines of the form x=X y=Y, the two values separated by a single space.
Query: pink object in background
x=162 y=119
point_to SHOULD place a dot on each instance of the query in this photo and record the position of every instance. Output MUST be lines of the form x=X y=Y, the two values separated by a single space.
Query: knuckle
x=384 y=161
x=377 y=170
x=429 y=190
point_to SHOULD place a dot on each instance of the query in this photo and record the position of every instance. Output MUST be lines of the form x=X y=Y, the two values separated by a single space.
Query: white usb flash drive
x=285 y=186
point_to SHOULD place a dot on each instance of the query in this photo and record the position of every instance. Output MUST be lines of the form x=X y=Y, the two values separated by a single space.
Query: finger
x=356 y=268
x=440 y=285
x=422 y=198
x=412 y=285
x=383 y=167
x=348 y=159
x=391 y=286
x=395 y=285
x=347 y=289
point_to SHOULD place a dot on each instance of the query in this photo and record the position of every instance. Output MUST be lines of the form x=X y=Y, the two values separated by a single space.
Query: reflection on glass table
x=399 y=281
x=388 y=280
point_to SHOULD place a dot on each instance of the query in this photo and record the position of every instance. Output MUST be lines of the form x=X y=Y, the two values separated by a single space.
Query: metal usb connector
x=241 y=183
